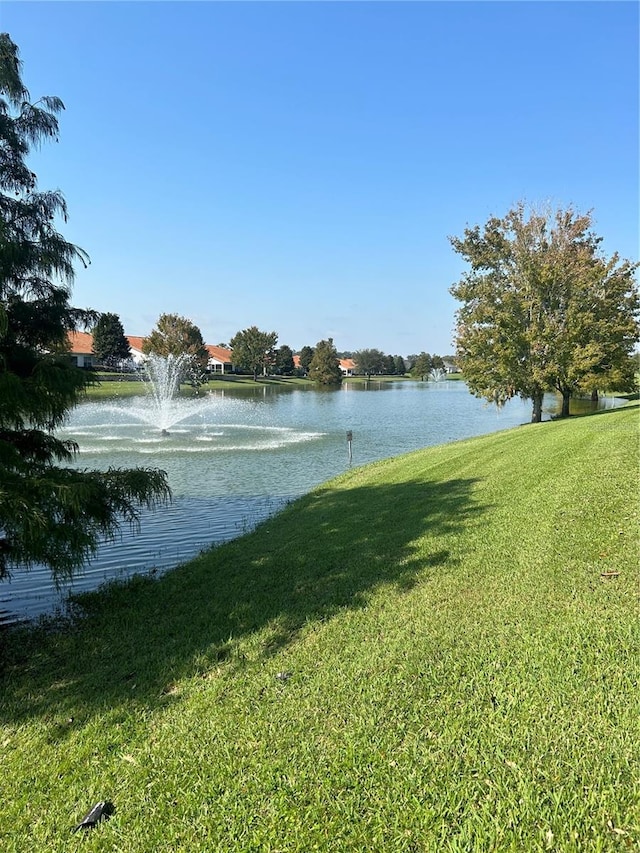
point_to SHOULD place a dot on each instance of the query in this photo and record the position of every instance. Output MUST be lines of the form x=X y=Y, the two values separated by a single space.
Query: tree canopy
x=284 y=364
x=325 y=368
x=400 y=368
x=253 y=350
x=176 y=335
x=110 y=345
x=306 y=355
x=422 y=366
x=369 y=361
x=543 y=309
x=388 y=365
x=49 y=514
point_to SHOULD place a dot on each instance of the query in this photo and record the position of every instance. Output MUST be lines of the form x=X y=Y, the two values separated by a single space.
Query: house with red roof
x=81 y=351
x=135 y=345
x=219 y=359
x=348 y=366
x=81 y=348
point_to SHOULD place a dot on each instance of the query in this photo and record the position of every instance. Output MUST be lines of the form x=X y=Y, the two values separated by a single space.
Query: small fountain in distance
x=437 y=374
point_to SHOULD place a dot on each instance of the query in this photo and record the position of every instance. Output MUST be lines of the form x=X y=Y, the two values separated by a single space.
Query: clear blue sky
x=298 y=166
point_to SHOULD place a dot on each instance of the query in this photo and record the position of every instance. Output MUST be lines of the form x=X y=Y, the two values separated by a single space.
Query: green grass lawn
x=122 y=387
x=438 y=652
x=127 y=388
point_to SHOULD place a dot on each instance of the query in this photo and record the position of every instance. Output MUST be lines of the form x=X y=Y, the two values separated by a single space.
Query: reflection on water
x=167 y=538
x=233 y=459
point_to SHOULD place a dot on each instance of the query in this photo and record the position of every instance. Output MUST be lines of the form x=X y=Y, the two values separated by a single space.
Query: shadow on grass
x=324 y=553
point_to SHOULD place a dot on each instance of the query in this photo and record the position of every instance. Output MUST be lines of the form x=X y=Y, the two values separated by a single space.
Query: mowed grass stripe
x=428 y=653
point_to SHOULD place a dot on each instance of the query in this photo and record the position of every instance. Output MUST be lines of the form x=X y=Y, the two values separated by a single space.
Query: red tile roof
x=219 y=353
x=135 y=342
x=81 y=343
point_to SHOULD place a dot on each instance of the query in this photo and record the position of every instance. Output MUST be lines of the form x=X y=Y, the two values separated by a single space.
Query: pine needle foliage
x=48 y=514
x=110 y=344
x=324 y=368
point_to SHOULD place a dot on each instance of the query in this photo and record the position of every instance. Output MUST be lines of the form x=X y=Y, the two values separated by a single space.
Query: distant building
x=135 y=345
x=219 y=359
x=81 y=349
x=81 y=346
x=348 y=366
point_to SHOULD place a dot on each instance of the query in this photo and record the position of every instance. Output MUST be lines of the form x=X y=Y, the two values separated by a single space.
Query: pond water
x=236 y=457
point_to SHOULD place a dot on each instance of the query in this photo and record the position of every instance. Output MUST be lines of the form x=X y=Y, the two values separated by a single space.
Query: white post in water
x=349 y=440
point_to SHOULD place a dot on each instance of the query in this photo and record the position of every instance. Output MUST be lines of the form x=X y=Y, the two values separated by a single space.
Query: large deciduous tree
x=110 y=344
x=178 y=336
x=542 y=308
x=325 y=367
x=422 y=365
x=591 y=315
x=253 y=350
x=49 y=514
x=369 y=361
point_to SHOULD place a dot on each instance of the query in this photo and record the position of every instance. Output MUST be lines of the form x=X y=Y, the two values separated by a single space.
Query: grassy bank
x=438 y=652
x=128 y=388
x=122 y=387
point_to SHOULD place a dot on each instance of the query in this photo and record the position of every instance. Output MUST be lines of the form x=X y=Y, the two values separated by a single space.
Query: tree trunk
x=536 y=415
x=566 y=397
x=594 y=395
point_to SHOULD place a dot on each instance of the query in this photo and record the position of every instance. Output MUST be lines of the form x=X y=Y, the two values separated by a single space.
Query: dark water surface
x=236 y=457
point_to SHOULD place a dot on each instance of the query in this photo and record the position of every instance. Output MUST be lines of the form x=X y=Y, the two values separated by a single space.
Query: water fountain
x=437 y=374
x=161 y=408
x=234 y=458
x=162 y=423
x=164 y=375
x=223 y=456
